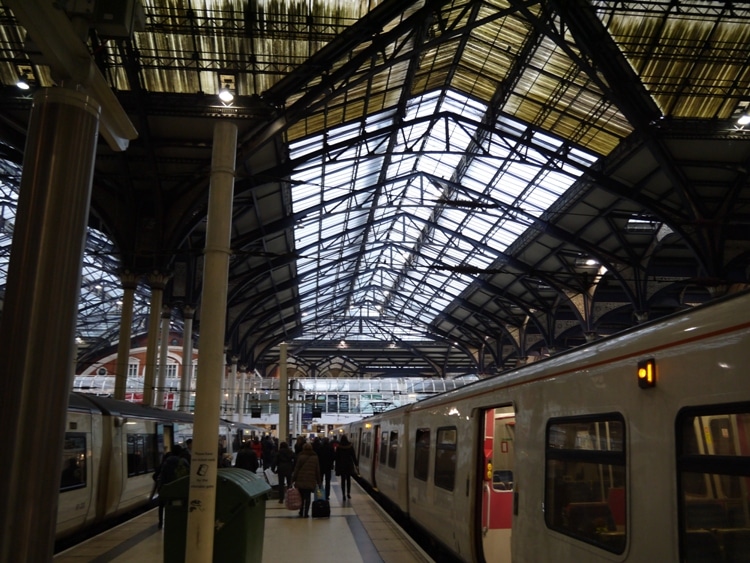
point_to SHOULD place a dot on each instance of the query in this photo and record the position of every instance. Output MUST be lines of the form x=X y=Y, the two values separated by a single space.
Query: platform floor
x=357 y=531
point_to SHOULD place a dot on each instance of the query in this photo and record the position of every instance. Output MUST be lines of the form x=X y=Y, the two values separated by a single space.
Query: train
x=635 y=447
x=110 y=453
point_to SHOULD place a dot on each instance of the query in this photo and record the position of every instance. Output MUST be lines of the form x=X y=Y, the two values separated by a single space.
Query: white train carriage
x=111 y=451
x=633 y=448
x=382 y=459
x=80 y=474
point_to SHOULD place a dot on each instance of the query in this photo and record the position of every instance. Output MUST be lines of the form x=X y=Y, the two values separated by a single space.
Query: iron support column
x=166 y=316
x=283 y=395
x=157 y=282
x=204 y=463
x=187 y=358
x=39 y=319
x=129 y=282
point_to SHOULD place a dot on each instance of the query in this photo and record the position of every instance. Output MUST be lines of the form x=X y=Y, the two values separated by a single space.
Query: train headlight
x=647 y=374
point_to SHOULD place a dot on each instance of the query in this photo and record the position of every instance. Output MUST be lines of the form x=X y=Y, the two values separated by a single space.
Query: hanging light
x=25 y=77
x=226 y=96
x=227 y=88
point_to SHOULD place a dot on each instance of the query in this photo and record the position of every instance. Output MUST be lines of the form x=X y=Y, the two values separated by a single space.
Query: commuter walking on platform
x=325 y=456
x=306 y=477
x=173 y=466
x=346 y=465
x=283 y=464
x=269 y=450
x=246 y=458
x=298 y=445
x=258 y=449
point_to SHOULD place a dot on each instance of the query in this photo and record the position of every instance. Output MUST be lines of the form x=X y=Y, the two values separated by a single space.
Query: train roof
x=115 y=407
x=721 y=311
x=77 y=402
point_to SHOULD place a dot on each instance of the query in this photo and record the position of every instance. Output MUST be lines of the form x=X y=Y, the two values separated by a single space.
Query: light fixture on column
x=25 y=77
x=227 y=88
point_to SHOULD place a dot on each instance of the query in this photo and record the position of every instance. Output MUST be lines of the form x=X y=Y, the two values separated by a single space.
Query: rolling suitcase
x=321 y=508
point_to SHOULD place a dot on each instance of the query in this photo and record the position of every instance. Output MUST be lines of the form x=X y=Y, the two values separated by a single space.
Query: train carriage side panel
x=131 y=437
x=442 y=477
x=388 y=462
x=76 y=507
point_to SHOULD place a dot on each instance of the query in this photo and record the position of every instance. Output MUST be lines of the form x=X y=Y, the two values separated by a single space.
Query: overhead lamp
x=642 y=225
x=25 y=77
x=226 y=96
x=744 y=119
x=586 y=262
x=227 y=88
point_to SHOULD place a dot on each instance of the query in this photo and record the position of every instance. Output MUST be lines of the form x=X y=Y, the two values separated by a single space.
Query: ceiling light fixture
x=25 y=77
x=227 y=88
x=586 y=262
x=226 y=96
x=744 y=119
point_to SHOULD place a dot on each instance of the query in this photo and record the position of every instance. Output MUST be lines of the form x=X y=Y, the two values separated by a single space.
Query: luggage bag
x=321 y=508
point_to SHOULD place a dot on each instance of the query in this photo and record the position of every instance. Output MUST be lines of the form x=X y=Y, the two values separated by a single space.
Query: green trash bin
x=239 y=522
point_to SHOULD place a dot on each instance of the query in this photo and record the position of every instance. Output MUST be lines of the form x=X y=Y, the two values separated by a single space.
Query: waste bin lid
x=177 y=489
x=241 y=482
x=231 y=483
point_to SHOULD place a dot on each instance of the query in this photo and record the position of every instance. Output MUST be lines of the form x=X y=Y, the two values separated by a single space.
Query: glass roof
x=395 y=226
x=100 y=304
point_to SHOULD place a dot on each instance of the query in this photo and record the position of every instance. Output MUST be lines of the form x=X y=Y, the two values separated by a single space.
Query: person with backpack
x=173 y=466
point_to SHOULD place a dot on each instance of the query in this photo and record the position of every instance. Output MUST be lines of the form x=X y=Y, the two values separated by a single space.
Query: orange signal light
x=647 y=374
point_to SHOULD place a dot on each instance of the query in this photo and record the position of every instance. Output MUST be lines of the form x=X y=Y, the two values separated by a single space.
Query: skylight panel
x=422 y=107
x=478 y=260
x=416 y=246
x=477 y=228
x=401 y=166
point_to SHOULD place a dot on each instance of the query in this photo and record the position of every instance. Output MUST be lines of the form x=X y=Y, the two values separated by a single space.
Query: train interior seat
x=616 y=502
x=701 y=546
x=589 y=518
x=705 y=515
x=735 y=543
x=502 y=480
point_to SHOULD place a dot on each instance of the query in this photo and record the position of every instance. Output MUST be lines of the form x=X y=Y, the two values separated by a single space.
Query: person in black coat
x=283 y=464
x=346 y=465
x=325 y=457
x=247 y=458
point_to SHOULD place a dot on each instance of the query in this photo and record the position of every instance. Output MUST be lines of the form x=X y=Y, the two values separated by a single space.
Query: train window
x=74 y=462
x=366 y=444
x=392 y=449
x=142 y=454
x=585 y=479
x=445 y=458
x=713 y=464
x=422 y=454
x=383 y=448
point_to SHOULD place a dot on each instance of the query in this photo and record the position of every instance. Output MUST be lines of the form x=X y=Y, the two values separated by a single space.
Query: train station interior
x=417 y=195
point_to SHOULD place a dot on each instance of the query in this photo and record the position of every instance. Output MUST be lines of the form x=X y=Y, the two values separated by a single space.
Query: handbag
x=293 y=499
x=271 y=477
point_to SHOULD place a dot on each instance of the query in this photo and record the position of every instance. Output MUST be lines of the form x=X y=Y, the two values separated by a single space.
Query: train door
x=374 y=458
x=497 y=483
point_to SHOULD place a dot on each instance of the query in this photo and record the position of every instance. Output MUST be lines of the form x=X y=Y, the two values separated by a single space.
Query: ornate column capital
x=157 y=280
x=128 y=279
